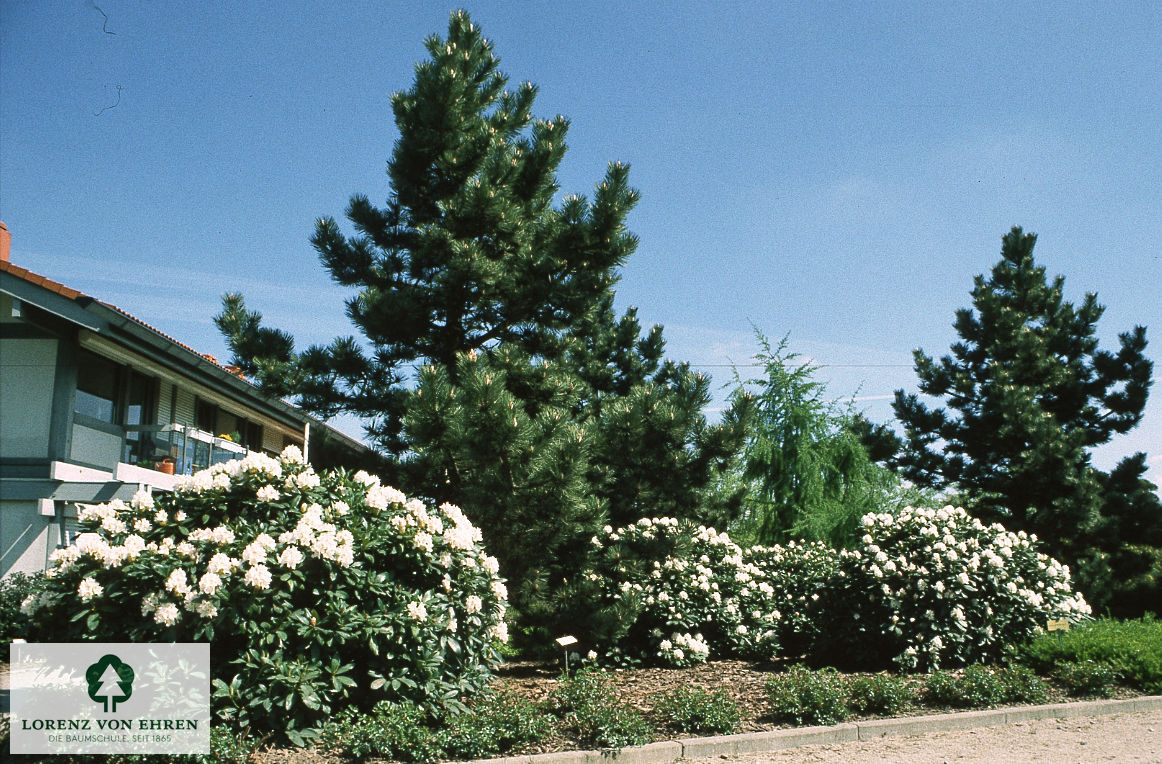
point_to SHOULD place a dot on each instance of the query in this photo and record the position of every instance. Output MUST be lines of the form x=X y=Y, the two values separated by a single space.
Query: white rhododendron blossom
x=209 y=583
x=237 y=553
x=258 y=576
x=290 y=557
x=220 y=563
x=267 y=493
x=690 y=604
x=89 y=589
x=957 y=591
x=177 y=582
x=167 y=614
x=292 y=454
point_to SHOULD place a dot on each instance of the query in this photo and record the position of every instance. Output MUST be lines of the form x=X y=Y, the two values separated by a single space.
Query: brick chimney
x=5 y=242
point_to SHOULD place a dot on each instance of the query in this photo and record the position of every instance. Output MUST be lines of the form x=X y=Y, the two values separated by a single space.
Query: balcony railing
x=188 y=448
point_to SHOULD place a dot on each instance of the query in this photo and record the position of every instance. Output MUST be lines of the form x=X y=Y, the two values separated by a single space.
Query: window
x=222 y=423
x=139 y=407
x=251 y=434
x=112 y=393
x=96 y=388
x=117 y=400
x=207 y=416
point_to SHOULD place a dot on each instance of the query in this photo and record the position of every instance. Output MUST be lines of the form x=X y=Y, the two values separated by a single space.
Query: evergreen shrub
x=670 y=592
x=1132 y=648
x=15 y=588
x=798 y=573
x=316 y=591
x=805 y=697
x=694 y=710
x=928 y=588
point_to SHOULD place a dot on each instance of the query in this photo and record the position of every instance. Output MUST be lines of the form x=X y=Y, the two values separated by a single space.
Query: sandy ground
x=1117 y=738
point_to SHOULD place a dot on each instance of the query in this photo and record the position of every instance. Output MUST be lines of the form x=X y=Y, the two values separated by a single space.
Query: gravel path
x=1117 y=737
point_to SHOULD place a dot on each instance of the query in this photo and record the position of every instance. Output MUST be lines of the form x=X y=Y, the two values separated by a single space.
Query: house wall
x=273 y=440
x=165 y=402
x=26 y=397
x=184 y=413
x=96 y=447
x=26 y=537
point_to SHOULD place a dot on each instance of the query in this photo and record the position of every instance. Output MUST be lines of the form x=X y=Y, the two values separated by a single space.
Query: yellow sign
x=1058 y=625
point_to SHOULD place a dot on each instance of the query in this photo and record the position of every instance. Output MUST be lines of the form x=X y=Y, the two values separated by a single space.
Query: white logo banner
x=110 y=698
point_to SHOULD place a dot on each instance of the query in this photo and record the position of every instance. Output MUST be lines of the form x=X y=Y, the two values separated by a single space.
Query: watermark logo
x=110 y=698
x=110 y=682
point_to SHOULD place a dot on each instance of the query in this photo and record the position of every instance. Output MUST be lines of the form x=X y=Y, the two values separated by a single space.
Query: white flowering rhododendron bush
x=317 y=591
x=798 y=572
x=677 y=594
x=931 y=588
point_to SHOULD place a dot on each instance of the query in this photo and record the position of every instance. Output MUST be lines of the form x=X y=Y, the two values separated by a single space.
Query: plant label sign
x=1060 y=624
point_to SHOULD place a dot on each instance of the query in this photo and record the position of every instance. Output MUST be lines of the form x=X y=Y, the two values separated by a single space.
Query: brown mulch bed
x=743 y=681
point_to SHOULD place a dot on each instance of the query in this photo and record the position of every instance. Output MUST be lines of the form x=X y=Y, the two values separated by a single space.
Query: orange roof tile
x=72 y=294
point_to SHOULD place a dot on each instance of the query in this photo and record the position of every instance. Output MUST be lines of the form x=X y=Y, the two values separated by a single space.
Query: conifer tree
x=492 y=369
x=1027 y=394
x=810 y=473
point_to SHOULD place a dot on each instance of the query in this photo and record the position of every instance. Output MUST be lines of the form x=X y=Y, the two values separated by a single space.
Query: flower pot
x=166 y=465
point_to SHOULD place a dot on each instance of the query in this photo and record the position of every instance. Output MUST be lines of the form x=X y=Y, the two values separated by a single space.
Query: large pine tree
x=492 y=369
x=1027 y=393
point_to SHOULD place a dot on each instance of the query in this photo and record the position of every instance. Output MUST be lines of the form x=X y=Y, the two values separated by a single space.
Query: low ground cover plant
x=1132 y=649
x=588 y=707
x=1087 y=678
x=317 y=591
x=698 y=711
x=979 y=686
x=880 y=694
x=404 y=732
x=805 y=697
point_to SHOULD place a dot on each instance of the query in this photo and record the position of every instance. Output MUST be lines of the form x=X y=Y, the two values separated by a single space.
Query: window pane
x=139 y=400
x=96 y=387
x=207 y=415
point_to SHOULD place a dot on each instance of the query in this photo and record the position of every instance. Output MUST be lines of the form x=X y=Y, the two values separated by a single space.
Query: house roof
x=112 y=320
x=41 y=281
x=80 y=297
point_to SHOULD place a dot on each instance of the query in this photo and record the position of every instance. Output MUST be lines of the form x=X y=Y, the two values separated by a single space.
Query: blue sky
x=837 y=172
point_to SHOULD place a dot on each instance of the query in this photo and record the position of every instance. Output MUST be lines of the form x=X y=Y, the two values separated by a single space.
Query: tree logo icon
x=110 y=682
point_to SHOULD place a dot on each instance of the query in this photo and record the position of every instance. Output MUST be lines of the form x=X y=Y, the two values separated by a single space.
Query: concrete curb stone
x=921 y=725
x=756 y=742
x=1148 y=703
x=753 y=742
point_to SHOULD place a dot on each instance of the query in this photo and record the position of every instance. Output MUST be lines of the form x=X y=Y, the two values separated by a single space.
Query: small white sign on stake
x=564 y=642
